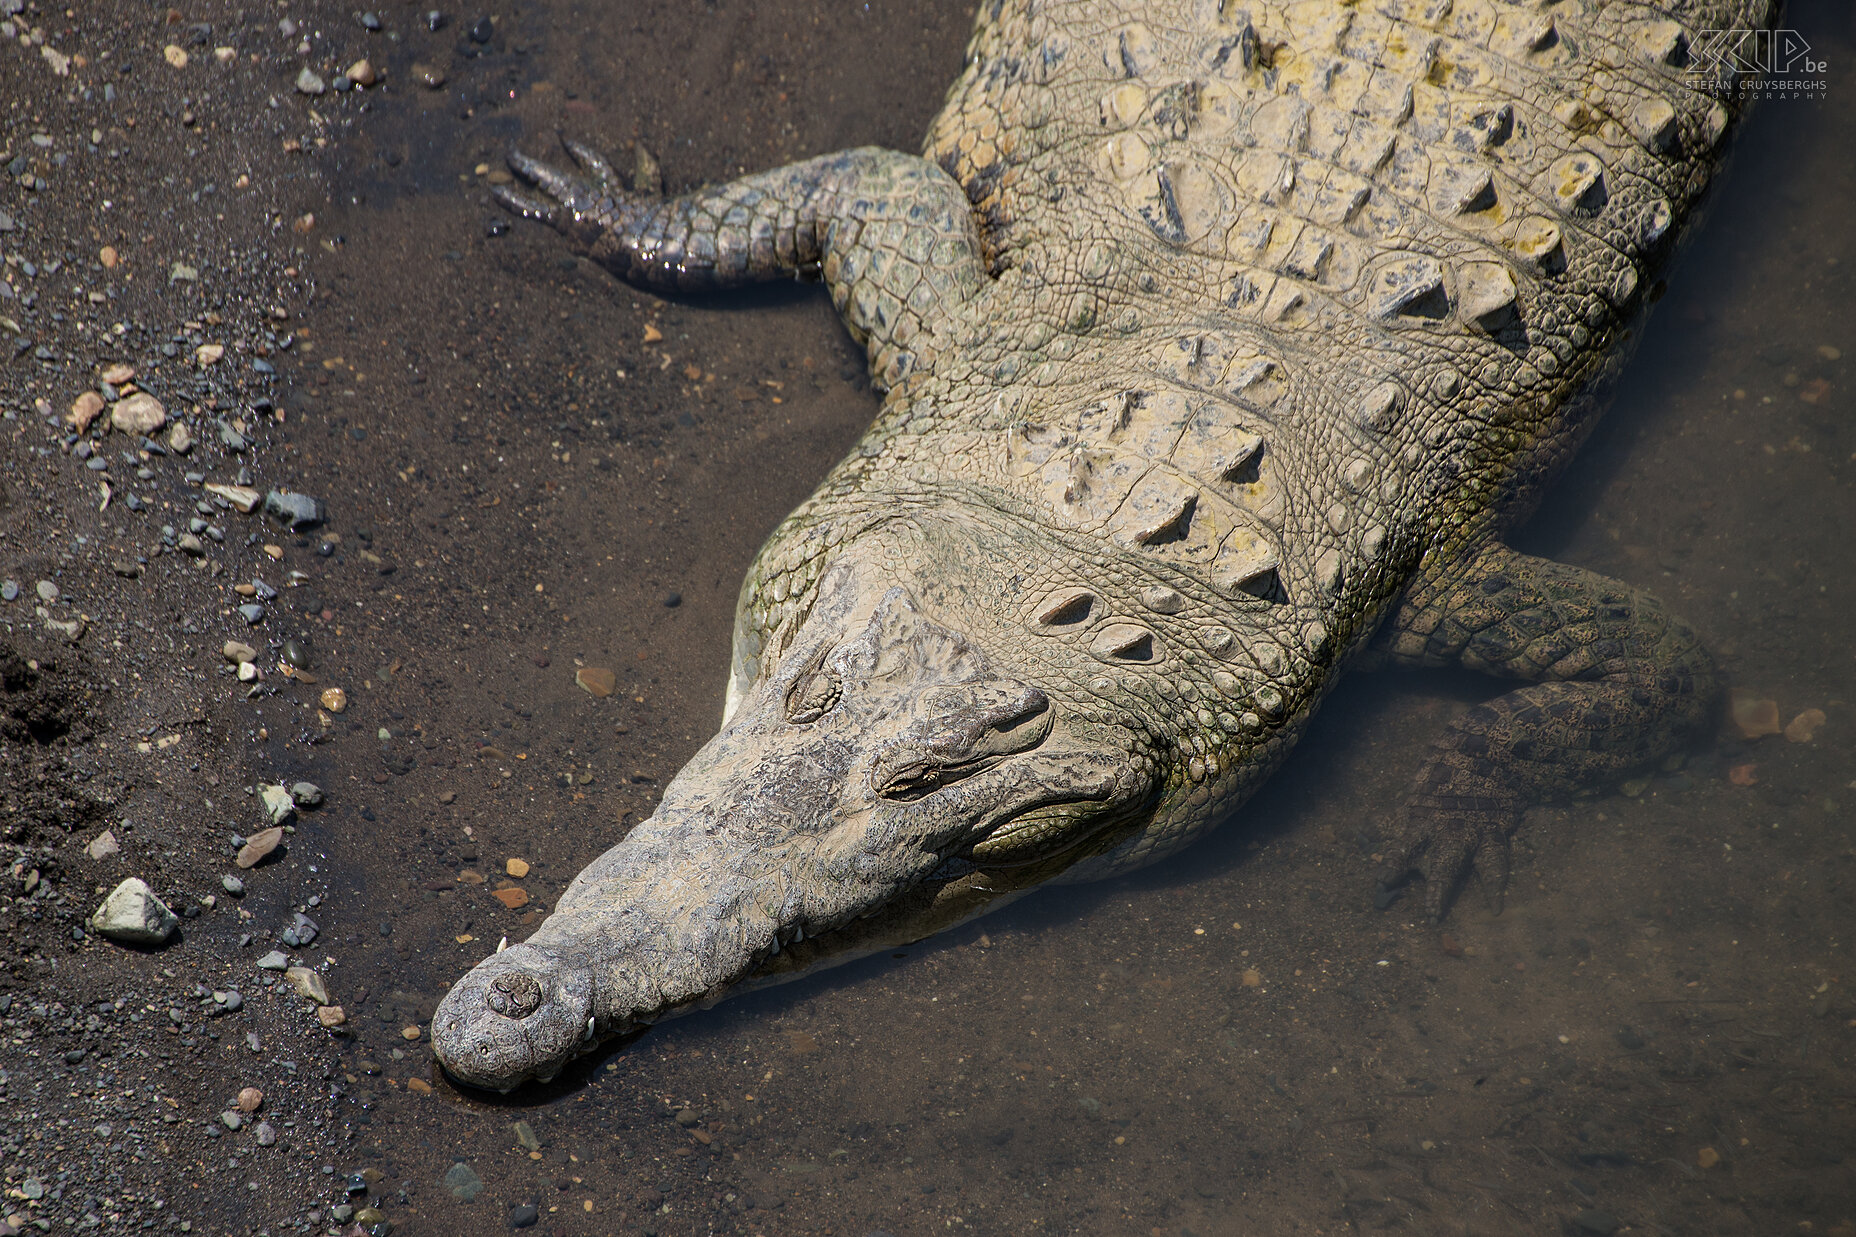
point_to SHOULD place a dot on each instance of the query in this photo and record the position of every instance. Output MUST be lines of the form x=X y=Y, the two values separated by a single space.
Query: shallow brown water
x=1658 y=1027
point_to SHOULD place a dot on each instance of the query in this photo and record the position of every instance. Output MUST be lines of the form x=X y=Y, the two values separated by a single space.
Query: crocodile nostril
x=513 y=996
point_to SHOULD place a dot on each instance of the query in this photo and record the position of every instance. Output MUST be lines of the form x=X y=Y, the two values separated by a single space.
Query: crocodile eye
x=812 y=696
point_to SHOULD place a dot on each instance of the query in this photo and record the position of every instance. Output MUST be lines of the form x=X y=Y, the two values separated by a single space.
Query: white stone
x=134 y=915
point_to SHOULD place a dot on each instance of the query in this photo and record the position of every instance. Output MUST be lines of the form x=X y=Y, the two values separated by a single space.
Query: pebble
x=279 y=806
x=208 y=354
x=513 y=898
x=231 y=1120
x=47 y=591
x=175 y=55
x=596 y=680
x=250 y=1099
x=1707 y=1157
x=516 y=867
x=523 y=1216
x=241 y=496
x=1803 y=728
x=296 y=654
x=673 y=600
x=180 y=438
x=140 y=413
x=481 y=30
x=84 y=409
x=118 y=373
x=299 y=511
x=306 y=794
x=238 y=651
x=525 y=1134
x=362 y=73
x=334 y=699
x=419 y=1086
x=276 y=960
x=133 y=915
x=308 y=83
x=687 y=1117
x=1754 y=717
x=252 y=612
x=331 y=1015
x=232 y=885
x=427 y=75
x=9 y=591
x=247 y=672
x=267 y=1134
x=190 y=544
x=103 y=846
x=463 y=1182
x=308 y=984
x=409 y=1033
x=259 y=845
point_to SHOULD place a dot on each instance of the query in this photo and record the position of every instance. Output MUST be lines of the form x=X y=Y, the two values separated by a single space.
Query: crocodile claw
x=1444 y=851
x=580 y=210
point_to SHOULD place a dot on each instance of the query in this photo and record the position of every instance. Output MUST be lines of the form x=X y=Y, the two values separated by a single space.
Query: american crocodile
x=1221 y=346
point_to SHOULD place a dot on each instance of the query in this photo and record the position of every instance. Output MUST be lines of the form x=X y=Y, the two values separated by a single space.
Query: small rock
x=334 y=699
x=175 y=55
x=463 y=1182
x=9 y=591
x=308 y=83
x=134 y=915
x=241 y=496
x=250 y=1099
x=514 y=898
x=247 y=672
x=362 y=73
x=596 y=680
x=1592 y=1220
x=308 y=984
x=259 y=845
x=103 y=846
x=687 y=1117
x=279 y=806
x=525 y=1134
x=208 y=354
x=299 y=511
x=47 y=591
x=409 y=1033
x=180 y=438
x=429 y=76
x=231 y=1119
x=1803 y=728
x=267 y=1134
x=140 y=413
x=238 y=652
x=673 y=600
x=84 y=409
x=517 y=868
x=306 y=794
x=1707 y=1157
x=190 y=544
x=482 y=30
x=1754 y=717
x=331 y=1015
x=419 y=1086
x=118 y=374
x=252 y=612
x=232 y=885
x=276 y=960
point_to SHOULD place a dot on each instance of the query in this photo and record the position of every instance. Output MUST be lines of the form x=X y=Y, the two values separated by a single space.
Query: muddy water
x=1658 y=1029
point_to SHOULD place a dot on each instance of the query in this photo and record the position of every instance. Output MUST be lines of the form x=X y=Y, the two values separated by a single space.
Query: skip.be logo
x=1775 y=63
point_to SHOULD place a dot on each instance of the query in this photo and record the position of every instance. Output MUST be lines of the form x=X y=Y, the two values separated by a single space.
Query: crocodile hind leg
x=891 y=234
x=1615 y=684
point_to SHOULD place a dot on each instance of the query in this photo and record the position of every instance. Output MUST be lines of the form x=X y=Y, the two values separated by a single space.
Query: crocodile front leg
x=892 y=235
x=1616 y=684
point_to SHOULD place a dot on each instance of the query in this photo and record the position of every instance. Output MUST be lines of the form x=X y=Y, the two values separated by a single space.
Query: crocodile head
x=845 y=806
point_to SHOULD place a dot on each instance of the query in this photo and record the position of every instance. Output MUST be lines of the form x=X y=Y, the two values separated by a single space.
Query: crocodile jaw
x=883 y=746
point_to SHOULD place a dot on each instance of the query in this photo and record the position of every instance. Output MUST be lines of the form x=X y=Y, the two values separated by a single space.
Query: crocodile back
x=1369 y=253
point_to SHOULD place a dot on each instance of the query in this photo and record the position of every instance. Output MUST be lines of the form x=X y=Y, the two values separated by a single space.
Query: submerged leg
x=892 y=235
x=1616 y=683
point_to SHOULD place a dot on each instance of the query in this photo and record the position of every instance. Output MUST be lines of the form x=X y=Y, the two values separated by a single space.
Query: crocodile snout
x=517 y=1016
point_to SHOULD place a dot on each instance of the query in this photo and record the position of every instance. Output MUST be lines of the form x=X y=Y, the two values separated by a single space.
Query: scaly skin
x=1220 y=348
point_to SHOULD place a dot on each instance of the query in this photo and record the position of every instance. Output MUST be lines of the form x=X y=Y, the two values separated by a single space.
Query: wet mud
x=531 y=471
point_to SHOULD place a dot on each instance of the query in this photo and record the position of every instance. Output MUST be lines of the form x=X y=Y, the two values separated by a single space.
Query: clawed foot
x=580 y=208
x=1444 y=848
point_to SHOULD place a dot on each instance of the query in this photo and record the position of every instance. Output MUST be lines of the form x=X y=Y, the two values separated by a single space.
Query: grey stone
x=306 y=794
x=133 y=915
x=274 y=961
x=251 y=611
x=299 y=511
x=308 y=83
x=463 y=1182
